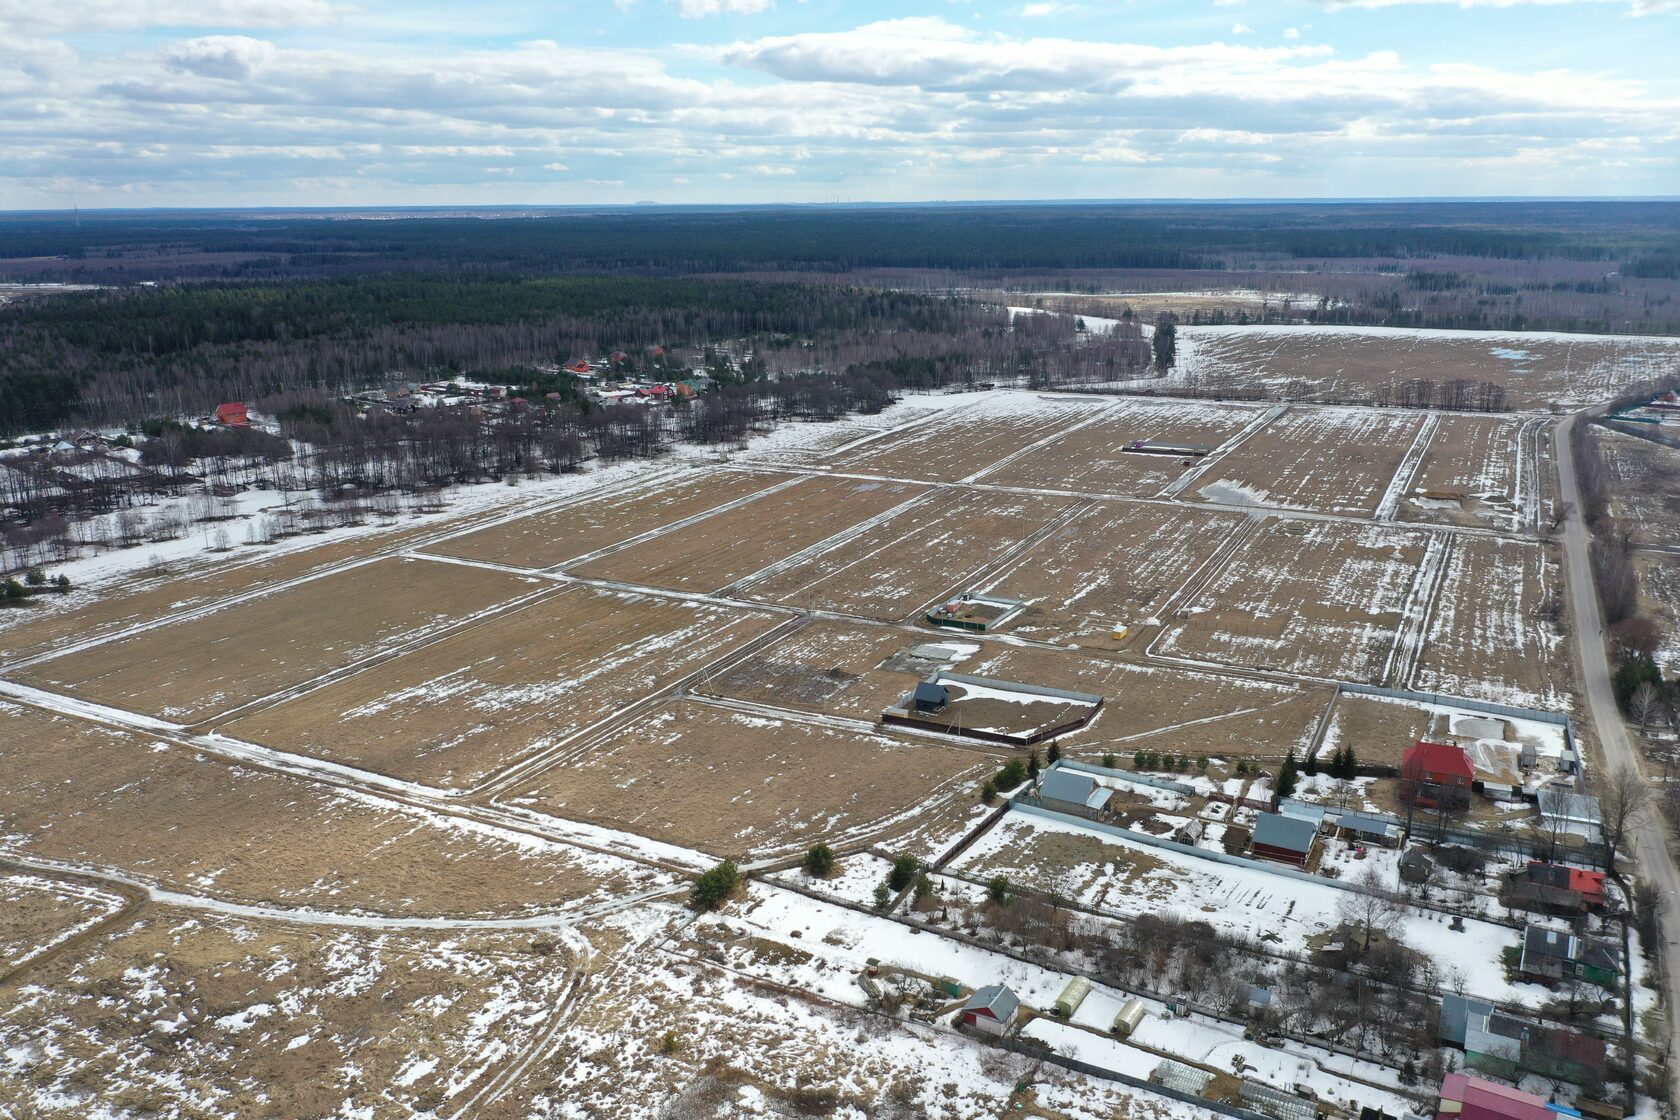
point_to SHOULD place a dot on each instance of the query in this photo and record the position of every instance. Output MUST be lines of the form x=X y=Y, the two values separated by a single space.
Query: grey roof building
x=1069 y=790
x=1287 y=838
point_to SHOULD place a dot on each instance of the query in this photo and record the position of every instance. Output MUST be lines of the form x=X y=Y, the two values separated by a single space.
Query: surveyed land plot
x=711 y=554
x=37 y=914
x=955 y=445
x=1332 y=460
x=1496 y=630
x=191 y=670
x=1323 y=599
x=1477 y=470
x=1114 y=564
x=1644 y=486
x=892 y=567
x=829 y=668
x=1356 y=363
x=1118 y=874
x=1659 y=591
x=455 y=711
x=231 y=833
x=544 y=540
x=348 y=1020
x=1094 y=460
x=742 y=785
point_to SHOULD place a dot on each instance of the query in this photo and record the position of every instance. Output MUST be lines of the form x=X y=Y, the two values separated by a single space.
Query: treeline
x=709 y=239
x=116 y=356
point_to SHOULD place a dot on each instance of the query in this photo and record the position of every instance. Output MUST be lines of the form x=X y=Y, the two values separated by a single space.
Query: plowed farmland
x=1496 y=632
x=1115 y=563
x=965 y=441
x=1327 y=459
x=773 y=527
x=1093 y=458
x=1325 y=599
x=544 y=540
x=743 y=785
x=892 y=567
x=190 y=670
x=455 y=711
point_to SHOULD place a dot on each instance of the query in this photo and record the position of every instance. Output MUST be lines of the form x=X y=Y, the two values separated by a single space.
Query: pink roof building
x=1471 y=1098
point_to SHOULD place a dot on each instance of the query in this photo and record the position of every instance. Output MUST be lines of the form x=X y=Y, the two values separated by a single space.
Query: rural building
x=1160 y=447
x=1436 y=776
x=1068 y=791
x=1470 y=1098
x=1505 y=1046
x=1551 y=955
x=1555 y=888
x=977 y=613
x=1416 y=867
x=577 y=366
x=1289 y=839
x=233 y=415
x=1369 y=828
x=930 y=697
x=1275 y=1102
x=991 y=1009
x=1302 y=810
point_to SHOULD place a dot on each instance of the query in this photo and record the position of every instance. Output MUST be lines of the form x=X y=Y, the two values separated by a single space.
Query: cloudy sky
x=317 y=102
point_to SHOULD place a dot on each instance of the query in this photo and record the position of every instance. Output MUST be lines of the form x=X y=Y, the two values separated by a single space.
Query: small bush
x=883 y=896
x=819 y=861
x=997 y=889
x=714 y=887
x=903 y=872
x=924 y=886
x=1108 y=759
x=989 y=791
x=35 y=577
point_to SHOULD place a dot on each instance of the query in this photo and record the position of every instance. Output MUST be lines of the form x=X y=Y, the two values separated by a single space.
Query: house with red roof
x=1436 y=776
x=1471 y=1098
x=233 y=414
x=577 y=365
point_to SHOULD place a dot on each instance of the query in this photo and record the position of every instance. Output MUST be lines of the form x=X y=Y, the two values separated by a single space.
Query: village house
x=1068 y=791
x=1436 y=776
x=1555 y=888
x=1470 y=1098
x=1552 y=956
x=991 y=1009
x=1287 y=839
x=233 y=415
x=1505 y=1046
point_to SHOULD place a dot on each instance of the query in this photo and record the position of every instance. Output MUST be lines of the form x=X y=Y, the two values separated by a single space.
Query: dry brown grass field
x=545 y=540
x=233 y=1017
x=1351 y=364
x=1115 y=563
x=964 y=441
x=191 y=823
x=826 y=667
x=454 y=711
x=1314 y=597
x=1491 y=634
x=192 y=670
x=1092 y=460
x=1325 y=459
x=720 y=550
x=742 y=785
x=38 y=913
x=1659 y=593
x=896 y=566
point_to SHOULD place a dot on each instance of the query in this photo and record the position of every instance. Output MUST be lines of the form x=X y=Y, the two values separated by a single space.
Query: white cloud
x=1241 y=29
x=1635 y=7
x=59 y=16
x=699 y=9
x=233 y=57
x=1292 y=33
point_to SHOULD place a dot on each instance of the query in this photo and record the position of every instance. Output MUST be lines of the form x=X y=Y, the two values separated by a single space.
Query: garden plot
x=191 y=670
x=1644 y=486
x=1381 y=728
x=893 y=566
x=1356 y=363
x=1477 y=470
x=960 y=443
x=772 y=527
x=1333 y=460
x=231 y=834
x=453 y=712
x=180 y=1016
x=1108 y=872
x=1318 y=598
x=1114 y=564
x=1495 y=632
x=38 y=914
x=544 y=540
x=1659 y=589
x=765 y=1022
x=740 y=785
x=828 y=667
x=1093 y=460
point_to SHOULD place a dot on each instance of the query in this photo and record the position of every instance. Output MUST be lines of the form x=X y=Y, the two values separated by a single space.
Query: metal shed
x=1072 y=996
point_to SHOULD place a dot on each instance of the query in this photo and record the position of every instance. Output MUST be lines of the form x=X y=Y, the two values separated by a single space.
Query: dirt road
x=1647 y=832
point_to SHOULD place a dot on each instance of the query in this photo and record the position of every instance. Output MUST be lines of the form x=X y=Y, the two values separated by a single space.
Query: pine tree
x=1309 y=766
x=1286 y=778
